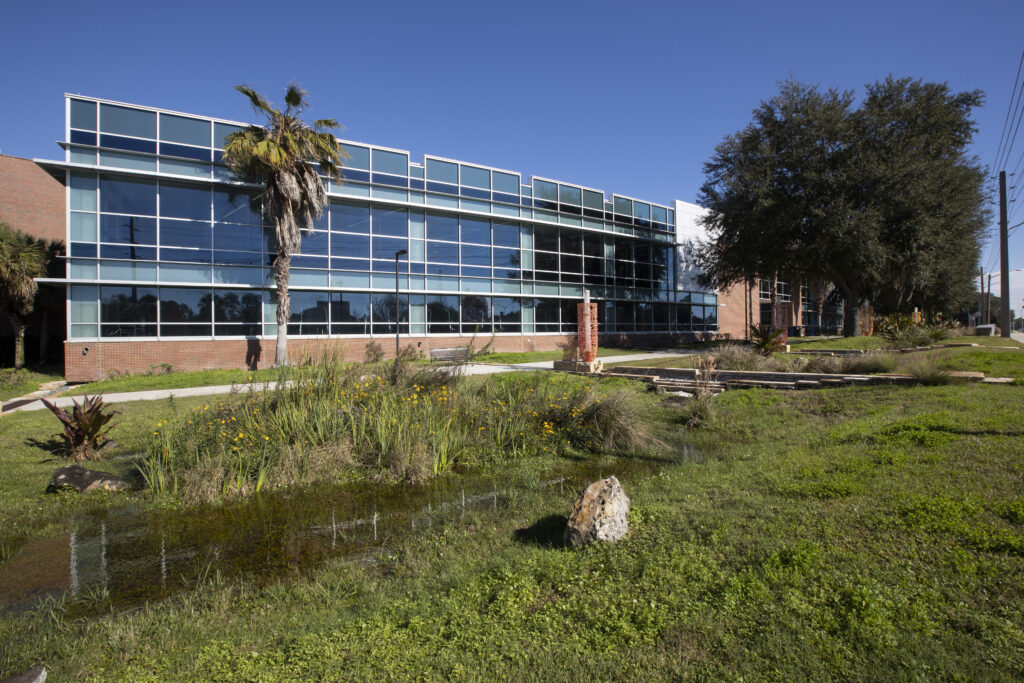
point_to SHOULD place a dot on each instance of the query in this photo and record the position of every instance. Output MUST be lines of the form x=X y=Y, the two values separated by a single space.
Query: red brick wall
x=732 y=314
x=96 y=360
x=31 y=200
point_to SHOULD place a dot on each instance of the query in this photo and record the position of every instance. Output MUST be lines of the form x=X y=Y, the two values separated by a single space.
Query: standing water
x=124 y=556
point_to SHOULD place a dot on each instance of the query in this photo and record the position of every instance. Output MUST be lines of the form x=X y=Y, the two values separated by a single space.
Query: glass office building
x=163 y=244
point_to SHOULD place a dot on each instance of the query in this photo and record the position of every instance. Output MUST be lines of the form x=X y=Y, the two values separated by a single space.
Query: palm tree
x=22 y=259
x=283 y=158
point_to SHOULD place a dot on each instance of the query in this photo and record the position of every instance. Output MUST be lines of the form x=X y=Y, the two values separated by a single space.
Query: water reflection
x=123 y=556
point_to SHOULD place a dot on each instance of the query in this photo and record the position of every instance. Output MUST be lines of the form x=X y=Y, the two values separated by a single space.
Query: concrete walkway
x=33 y=403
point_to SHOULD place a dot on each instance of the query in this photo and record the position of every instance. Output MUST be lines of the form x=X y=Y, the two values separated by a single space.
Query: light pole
x=398 y=329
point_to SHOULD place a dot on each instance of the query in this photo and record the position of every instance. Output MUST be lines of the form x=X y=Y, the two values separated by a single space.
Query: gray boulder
x=601 y=514
x=77 y=478
x=34 y=675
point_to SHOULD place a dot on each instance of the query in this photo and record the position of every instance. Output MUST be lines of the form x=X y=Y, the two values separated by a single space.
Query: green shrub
x=767 y=340
x=327 y=418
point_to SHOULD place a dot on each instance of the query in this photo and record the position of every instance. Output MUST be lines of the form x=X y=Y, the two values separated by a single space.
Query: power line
x=1009 y=108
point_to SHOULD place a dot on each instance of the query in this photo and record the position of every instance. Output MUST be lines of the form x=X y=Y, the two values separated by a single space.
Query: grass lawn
x=853 y=533
x=14 y=383
x=28 y=459
x=507 y=357
x=842 y=343
x=993 y=362
x=171 y=380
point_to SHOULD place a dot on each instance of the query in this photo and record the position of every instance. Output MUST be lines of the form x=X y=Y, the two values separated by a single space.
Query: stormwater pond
x=127 y=555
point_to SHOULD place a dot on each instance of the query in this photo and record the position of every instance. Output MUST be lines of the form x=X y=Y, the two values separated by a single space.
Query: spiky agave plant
x=85 y=427
x=767 y=340
x=286 y=157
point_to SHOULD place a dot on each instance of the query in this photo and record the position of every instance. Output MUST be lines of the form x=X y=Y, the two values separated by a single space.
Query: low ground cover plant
x=86 y=426
x=328 y=419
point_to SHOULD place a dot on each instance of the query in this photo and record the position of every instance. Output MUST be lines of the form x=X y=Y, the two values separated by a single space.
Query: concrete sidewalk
x=32 y=403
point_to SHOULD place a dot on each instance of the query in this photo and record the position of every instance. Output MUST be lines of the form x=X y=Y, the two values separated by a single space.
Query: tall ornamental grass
x=328 y=420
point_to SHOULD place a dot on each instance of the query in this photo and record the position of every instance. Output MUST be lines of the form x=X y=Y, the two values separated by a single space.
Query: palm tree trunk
x=19 y=344
x=282 y=265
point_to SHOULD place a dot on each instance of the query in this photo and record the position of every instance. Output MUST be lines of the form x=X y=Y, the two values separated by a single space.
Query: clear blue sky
x=628 y=97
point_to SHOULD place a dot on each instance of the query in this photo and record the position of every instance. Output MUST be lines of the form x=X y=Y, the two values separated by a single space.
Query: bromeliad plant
x=85 y=427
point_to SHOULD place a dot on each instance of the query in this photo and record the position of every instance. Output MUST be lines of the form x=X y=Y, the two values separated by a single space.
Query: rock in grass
x=77 y=478
x=601 y=514
x=34 y=675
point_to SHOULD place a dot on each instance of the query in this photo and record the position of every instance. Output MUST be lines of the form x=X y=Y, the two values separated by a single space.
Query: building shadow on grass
x=546 y=532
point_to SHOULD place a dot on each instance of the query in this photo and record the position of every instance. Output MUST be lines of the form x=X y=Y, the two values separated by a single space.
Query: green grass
x=171 y=380
x=993 y=362
x=870 y=343
x=855 y=533
x=28 y=457
x=508 y=357
x=14 y=383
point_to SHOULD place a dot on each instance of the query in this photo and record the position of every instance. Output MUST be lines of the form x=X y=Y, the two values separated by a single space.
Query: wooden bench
x=457 y=355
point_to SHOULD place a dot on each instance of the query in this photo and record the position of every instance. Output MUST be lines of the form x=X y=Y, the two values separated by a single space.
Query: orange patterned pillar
x=586 y=331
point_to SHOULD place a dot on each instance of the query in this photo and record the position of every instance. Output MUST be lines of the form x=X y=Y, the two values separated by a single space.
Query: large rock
x=601 y=514
x=33 y=675
x=77 y=478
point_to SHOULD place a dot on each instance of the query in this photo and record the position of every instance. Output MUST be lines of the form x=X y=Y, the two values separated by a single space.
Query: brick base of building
x=97 y=360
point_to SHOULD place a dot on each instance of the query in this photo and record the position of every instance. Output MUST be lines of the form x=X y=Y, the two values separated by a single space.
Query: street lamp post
x=398 y=329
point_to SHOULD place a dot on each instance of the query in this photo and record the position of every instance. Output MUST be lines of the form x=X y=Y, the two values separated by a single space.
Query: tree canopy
x=22 y=259
x=882 y=200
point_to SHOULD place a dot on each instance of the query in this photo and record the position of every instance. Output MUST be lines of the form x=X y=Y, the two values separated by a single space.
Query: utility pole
x=988 y=302
x=1004 y=259
x=981 y=293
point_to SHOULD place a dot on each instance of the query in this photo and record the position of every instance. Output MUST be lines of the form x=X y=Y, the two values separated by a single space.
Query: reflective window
x=228 y=236
x=221 y=131
x=507 y=314
x=184 y=130
x=476 y=231
x=350 y=246
x=391 y=222
x=390 y=162
x=350 y=313
x=236 y=207
x=387 y=247
x=184 y=201
x=126 y=195
x=641 y=210
x=569 y=195
x=382 y=308
x=546 y=314
x=442 y=171
x=125 y=121
x=476 y=314
x=83 y=192
x=350 y=218
x=659 y=214
x=571 y=242
x=185 y=305
x=543 y=261
x=545 y=239
x=237 y=306
x=359 y=157
x=314 y=243
x=442 y=227
x=309 y=312
x=505 y=182
x=83 y=115
x=624 y=207
x=476 y=256
x=442 y=314
x=542 y=189
x=442 y=252
x=505 y=234
x=476 y=177
x=593 y=200
x=184 y=234
x=127 y=229
x=128 y=304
